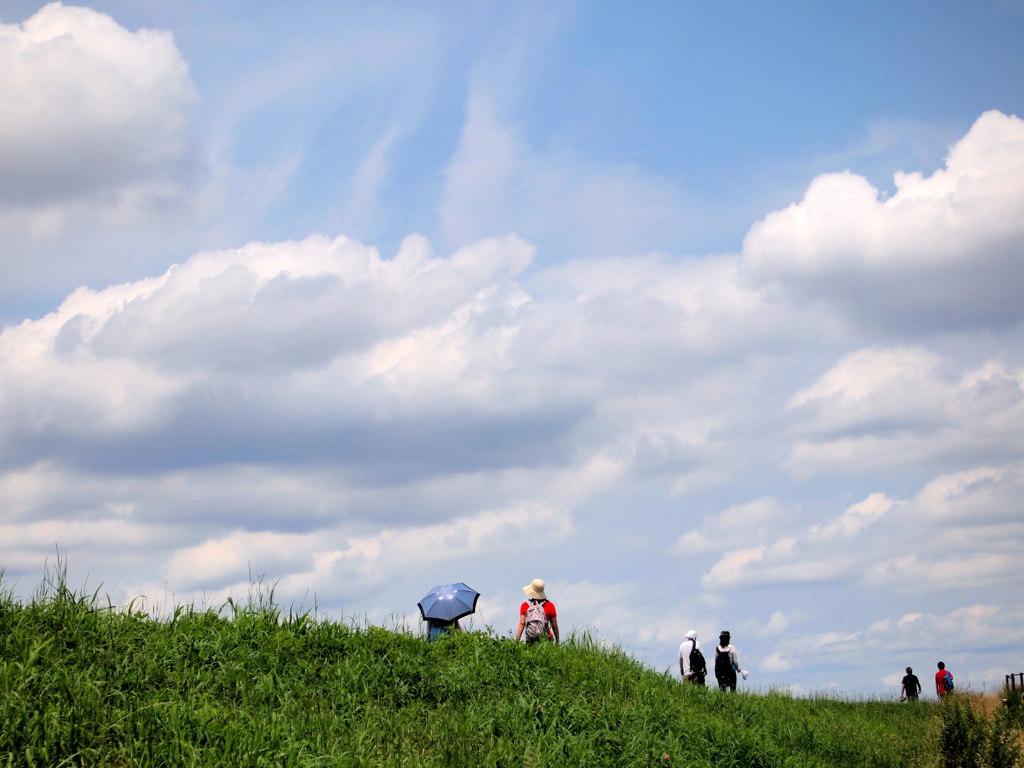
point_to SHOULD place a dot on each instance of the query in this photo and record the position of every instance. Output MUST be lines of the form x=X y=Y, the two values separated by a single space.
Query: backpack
x=947 y=682
x=698 y=667
x=723 y=663
x=536 y=620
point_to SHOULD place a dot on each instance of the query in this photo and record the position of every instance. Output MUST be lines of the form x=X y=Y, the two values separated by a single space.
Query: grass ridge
x=87 y=684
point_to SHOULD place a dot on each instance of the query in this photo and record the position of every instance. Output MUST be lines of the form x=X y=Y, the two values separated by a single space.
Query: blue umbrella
x=448 y=602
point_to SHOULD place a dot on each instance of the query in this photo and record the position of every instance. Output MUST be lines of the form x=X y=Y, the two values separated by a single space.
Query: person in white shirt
x=691 y=660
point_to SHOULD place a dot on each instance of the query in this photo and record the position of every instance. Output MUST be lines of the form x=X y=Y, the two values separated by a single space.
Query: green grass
x=81 y=684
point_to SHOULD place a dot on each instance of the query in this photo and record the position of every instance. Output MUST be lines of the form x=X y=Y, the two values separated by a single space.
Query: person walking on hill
x=692 y=665
x=911 y=687
x=538 y=618
x=727 y=662
x=943 y=681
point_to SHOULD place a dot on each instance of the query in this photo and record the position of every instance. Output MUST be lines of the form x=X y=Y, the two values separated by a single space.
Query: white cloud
x=229 y=559
x=147 y=355
x=362 y=208
x=299 y=349
x=92 y=112
x=98 y=158
x=946 y=570
x=866 y=377
x=942 y=252
x=780 y=622
x=854 y=519
x=776 y=662
x=323 y=412
x=741 y=524
x=960 y=530
x=208 y=533
x=902 y=406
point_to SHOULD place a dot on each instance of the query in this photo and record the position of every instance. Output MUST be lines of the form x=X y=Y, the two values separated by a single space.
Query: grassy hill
x=251 y=686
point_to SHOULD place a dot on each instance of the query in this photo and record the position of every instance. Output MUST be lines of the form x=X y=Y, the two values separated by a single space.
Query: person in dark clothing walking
x=726 y=662
x=911 y=687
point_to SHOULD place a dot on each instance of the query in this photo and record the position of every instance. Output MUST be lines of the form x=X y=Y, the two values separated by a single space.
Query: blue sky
x=708 y=315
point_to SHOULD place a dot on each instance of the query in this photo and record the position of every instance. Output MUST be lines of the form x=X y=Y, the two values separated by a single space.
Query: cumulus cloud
x=208 y=531
x=323 y=351
x=943 y=252
x=98 y=158
x=904 y=406
x=327 y=410
x=92 y=111
x=961 y=530
x=742 y=524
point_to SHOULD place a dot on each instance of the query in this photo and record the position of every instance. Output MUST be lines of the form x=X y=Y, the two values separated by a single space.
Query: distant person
x=438 y=627
x=727 y=663
x=911 y=687
x=692 y=665
x=943 y=681
x=538 y=618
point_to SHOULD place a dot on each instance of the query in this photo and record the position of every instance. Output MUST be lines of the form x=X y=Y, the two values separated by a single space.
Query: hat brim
x=534 y=594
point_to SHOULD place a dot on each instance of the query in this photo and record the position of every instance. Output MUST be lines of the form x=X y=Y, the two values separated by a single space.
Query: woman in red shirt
x=535 y=592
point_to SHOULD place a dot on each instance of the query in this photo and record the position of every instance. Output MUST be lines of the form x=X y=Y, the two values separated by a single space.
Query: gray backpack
x=536 y=620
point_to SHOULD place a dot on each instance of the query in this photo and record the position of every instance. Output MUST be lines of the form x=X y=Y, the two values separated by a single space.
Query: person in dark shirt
x=911 y=687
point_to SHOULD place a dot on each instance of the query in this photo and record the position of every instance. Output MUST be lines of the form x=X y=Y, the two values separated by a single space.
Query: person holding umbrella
x=438 y=627
x=537 y=616
x=444 y=605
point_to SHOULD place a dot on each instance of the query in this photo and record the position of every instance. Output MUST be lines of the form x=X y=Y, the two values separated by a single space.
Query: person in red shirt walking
x=537 y=616
x=943 y=681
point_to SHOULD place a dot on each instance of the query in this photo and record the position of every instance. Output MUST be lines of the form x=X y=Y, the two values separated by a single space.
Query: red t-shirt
x=940 y=687
x=549 y=612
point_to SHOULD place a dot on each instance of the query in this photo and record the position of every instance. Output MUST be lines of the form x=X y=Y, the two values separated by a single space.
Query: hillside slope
x=248 y=686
